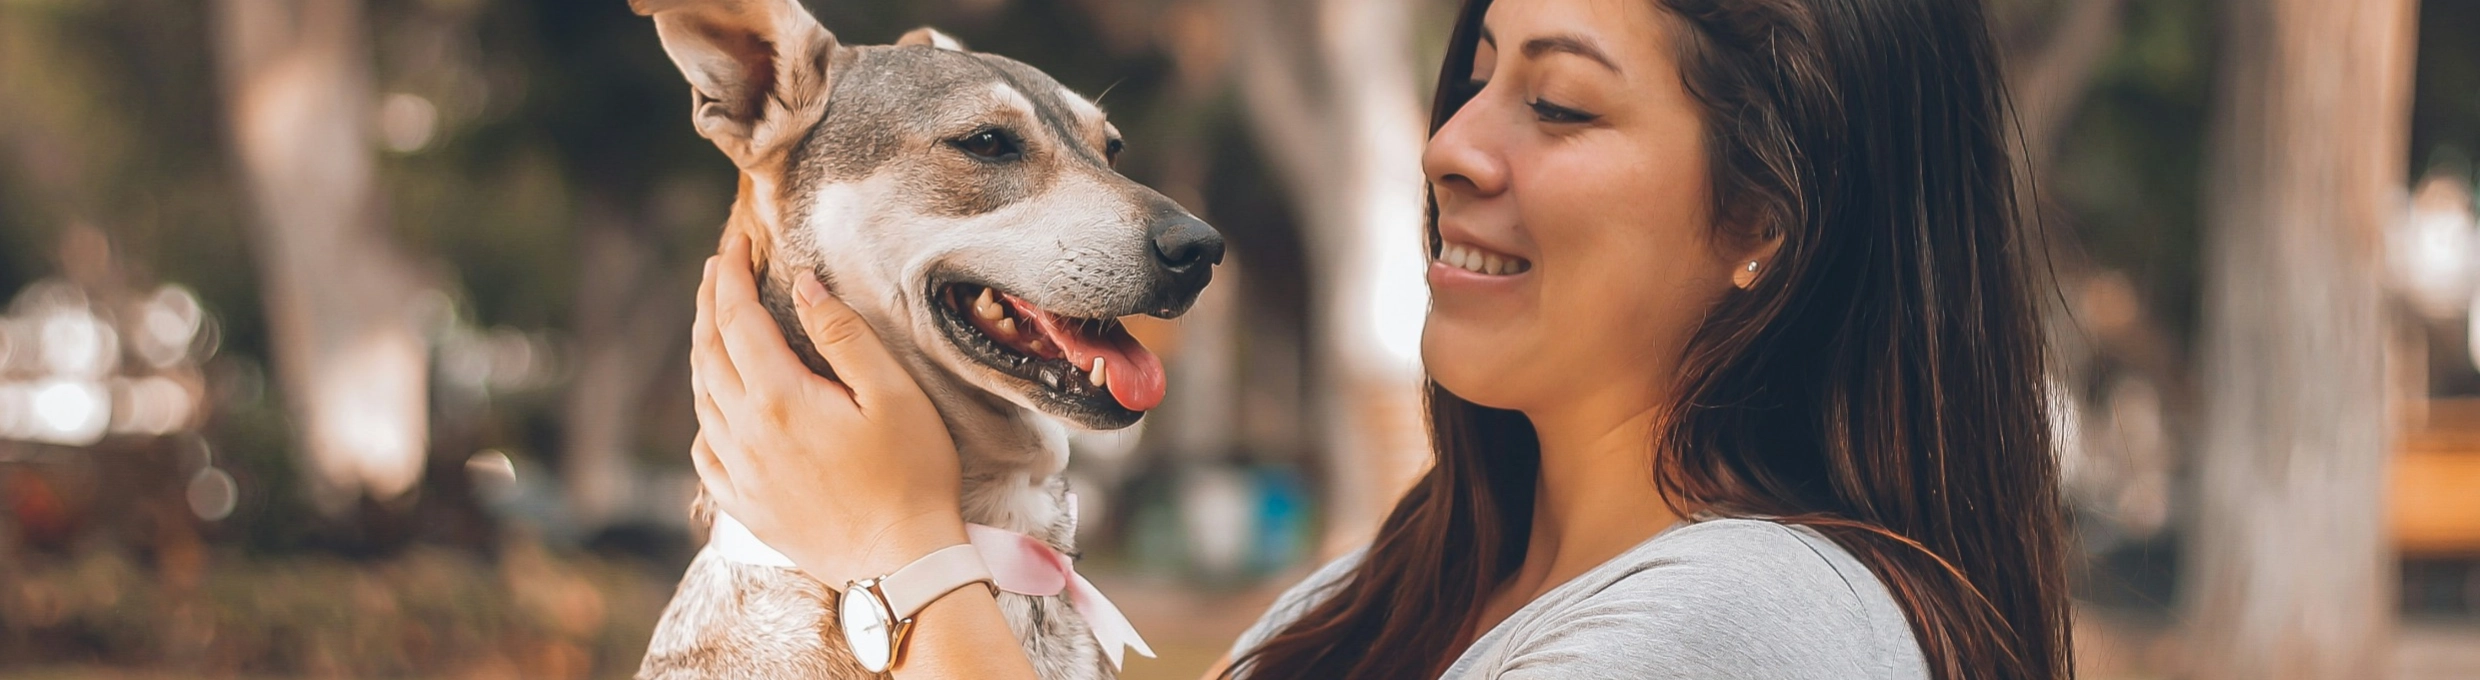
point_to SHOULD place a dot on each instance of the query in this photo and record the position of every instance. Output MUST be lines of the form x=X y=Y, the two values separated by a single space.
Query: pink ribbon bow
x=1025 y=565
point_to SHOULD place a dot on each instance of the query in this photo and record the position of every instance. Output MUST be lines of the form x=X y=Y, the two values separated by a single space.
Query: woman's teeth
x=1479 y=262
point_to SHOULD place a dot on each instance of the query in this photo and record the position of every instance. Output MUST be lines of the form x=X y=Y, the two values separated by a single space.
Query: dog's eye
x=1111 y=149
x=989 y=145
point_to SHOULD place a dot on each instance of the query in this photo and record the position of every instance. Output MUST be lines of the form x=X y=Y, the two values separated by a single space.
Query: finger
x=847 y=342
x=707 y=360
x=710 y=416
x=711 y=471
x=728 y=456
x=750 y=337
x=715 y=426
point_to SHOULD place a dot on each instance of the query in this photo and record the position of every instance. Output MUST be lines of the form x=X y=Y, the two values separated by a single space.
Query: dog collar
x=1019 y=564
x=731 y=540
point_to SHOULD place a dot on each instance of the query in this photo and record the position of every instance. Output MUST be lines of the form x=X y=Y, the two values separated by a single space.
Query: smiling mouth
x=1480 y=261
x=1089 y=368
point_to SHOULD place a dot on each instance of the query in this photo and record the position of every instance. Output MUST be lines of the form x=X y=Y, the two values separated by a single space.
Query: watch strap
x=933 y=576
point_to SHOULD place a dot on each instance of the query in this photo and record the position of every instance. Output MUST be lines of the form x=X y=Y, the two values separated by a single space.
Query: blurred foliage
x=426 y=613
x=2445 y=105
x=2128 y=180
x=111 y=119
x=2128 y=166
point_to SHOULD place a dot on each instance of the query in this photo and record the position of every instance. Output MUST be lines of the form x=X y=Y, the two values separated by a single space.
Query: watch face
x=867 y=628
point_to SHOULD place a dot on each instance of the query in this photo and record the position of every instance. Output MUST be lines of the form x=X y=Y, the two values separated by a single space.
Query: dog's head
x=964 y=203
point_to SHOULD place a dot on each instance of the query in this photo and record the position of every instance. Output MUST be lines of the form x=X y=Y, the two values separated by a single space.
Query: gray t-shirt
x=1720 y=598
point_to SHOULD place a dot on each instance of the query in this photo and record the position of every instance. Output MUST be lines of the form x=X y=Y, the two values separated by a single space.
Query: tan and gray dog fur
x=862 y=164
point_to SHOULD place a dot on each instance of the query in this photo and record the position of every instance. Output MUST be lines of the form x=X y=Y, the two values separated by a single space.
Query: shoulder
x=1738 y=598
x=1738 y=554
x=1298 y=600
x=1740 y=561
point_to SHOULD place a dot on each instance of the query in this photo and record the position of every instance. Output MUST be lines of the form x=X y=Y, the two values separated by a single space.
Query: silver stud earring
x=1746 y=276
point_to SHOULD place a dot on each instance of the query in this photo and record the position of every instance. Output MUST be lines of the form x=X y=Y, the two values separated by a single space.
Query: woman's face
x=1577 y=177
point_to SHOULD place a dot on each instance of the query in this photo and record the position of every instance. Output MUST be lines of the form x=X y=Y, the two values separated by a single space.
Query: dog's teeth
x=987 y=308
x=1101 y=378
x=1005 y=326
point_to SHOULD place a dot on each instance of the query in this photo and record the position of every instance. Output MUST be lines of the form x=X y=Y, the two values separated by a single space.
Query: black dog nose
x=1183 y=242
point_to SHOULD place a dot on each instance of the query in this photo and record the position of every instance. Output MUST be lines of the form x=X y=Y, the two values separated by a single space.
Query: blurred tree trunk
x=2290 y=573
x=353 y=365
x=625 y=344
x=1331 y=94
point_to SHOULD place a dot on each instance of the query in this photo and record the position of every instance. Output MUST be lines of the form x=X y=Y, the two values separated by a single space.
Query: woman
x=1735 y=373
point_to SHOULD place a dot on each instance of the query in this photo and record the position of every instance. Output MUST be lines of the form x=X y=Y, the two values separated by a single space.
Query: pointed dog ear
x=932 y=37
x=758 y=69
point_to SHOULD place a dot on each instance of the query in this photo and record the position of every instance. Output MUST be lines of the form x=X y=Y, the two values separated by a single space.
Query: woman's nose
x=1460 y=158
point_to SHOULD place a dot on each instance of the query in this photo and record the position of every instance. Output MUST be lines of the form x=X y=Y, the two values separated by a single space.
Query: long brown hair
x=1881 y=383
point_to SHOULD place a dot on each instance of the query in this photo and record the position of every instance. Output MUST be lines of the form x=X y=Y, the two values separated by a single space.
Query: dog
x=967 y=206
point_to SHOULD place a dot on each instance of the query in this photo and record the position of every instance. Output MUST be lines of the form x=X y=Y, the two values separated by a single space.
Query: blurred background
x=345 y=338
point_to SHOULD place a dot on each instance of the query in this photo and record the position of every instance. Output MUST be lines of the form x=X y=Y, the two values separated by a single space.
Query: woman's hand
x=851 y=477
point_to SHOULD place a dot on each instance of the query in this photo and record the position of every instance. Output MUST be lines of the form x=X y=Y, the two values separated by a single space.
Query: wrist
x=898 y=543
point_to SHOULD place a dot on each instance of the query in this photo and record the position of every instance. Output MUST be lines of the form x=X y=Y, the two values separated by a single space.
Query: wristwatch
x=877 y=613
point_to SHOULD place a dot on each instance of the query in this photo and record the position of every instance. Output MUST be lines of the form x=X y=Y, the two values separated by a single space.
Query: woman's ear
x=757 y=69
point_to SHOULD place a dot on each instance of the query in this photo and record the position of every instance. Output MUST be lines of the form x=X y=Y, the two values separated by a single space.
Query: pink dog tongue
x=1135 y=374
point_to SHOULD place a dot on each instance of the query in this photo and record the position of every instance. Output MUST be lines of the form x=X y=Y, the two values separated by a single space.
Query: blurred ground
x=524 y=611
x=2118 y=648
x=1187 y=627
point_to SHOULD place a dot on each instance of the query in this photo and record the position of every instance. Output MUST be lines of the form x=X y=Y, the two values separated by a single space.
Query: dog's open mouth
x=1090 y=361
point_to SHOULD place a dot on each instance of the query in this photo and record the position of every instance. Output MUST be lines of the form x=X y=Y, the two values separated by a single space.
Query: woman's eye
x=988 y=145
x=1553 y=113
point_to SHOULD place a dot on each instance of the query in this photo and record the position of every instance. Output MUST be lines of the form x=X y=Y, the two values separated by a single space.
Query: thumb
x=847 y=342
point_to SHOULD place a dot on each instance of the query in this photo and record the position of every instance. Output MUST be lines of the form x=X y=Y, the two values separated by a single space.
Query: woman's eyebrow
x=1567 y=43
